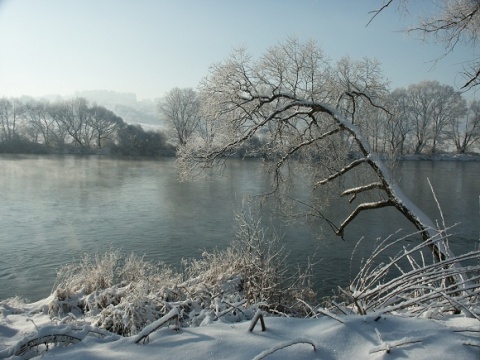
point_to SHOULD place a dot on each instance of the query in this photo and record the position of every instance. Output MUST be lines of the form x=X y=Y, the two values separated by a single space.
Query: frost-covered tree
x=398 y=126
x=73 y=116
x=292 y=96
x=104 y=123
x=180 y=108
x=465 y=131
x=10 y=115
x=38 y=117
x=431 y=107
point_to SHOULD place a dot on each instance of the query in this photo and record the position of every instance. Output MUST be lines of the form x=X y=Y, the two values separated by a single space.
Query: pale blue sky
x=150 y=46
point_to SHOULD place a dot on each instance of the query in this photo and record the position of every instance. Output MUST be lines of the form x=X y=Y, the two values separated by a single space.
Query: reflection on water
x=54 y=208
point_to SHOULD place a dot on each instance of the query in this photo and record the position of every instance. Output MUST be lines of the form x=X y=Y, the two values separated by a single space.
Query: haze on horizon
x=148 y=47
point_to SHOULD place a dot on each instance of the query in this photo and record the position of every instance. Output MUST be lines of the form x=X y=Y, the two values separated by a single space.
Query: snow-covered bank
x=356 y=337
x=107 y=306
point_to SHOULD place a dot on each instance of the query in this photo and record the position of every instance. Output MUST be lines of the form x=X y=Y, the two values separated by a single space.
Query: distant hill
x=124 y=105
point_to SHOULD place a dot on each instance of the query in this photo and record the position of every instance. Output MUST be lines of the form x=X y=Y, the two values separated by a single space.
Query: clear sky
x=148 y=47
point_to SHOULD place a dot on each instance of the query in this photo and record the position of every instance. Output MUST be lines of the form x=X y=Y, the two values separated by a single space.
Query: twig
x=283 y=345
x=388 y=346
x=329 y=314
x=258 y=315
x=231 y=308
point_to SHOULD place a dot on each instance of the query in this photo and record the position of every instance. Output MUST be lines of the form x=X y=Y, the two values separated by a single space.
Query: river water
x=55 y=208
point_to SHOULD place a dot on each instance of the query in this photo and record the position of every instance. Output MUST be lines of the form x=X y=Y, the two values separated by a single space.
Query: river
x=55 y=208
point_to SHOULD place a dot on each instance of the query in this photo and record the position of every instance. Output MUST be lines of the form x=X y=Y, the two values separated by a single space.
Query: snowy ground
x=356 y=337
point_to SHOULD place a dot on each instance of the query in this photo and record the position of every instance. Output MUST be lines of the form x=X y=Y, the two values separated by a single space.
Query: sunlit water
x=54 y=208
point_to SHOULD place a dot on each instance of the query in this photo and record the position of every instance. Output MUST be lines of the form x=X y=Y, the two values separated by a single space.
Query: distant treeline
x=73 y=126
x=424 y=119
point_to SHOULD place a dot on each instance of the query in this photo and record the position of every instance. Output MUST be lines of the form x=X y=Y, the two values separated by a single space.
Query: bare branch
x=473 y=79
x=341 y=172
x=359 y=189
x=359 y=209
x=306 y=143
x=378 y=11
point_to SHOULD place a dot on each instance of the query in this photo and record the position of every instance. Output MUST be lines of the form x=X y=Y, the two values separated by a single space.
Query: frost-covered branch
x=172 y=315
x=422 y=288
x=304 y=144
x=360 y=189
x=341 y=172
x=283 y=345
x=359 y=209
x=451 y=23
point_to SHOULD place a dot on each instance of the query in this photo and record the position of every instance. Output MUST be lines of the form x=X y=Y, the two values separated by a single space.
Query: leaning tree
x=292 y=99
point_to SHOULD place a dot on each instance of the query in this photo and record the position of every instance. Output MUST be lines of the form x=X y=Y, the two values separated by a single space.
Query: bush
x=124 y=294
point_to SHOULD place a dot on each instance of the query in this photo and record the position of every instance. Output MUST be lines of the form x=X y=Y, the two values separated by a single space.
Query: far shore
x=405 y=157
x=441 y=157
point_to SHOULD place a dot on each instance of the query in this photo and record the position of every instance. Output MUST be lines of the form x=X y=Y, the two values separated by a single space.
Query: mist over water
x=55 y=208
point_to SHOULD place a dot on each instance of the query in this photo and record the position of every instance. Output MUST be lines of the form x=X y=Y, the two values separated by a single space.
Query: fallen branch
x=388 y=346
x=45 y=340
x=253 y=323
x=329 y=314
x=231 y=307
x=173 y=314
x=283 y=345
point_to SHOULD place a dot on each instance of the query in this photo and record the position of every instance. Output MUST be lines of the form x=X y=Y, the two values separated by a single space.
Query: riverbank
x=24 y=329
x=440 y=157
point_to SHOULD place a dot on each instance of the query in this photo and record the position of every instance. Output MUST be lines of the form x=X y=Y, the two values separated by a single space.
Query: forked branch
x=341 y=172
x=359 y=209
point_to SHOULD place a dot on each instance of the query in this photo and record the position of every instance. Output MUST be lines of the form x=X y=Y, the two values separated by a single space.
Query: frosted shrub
x=124 y=294
x=254 y=266
x=93 y=272
x=107 y=285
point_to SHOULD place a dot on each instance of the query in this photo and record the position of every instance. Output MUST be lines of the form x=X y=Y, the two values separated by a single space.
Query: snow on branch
x=359 y=189
x=258 y=316
x=424 y=288
x=142 y=335
x=283 y=345
x=388 y=346
x=359 y=209
x=341 y=172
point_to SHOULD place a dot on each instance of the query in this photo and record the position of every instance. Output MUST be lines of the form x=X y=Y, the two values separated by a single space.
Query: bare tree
x=465 y=132
x=10 y=114
x=38 y=117
x=451 y=22
x=180 y=108
x=432 y=107
x=74 y=117
x=104 y=123
x=398 y=126
x=297 y=101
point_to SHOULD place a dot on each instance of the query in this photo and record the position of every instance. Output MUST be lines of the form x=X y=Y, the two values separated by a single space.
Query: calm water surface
x=54 y=208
